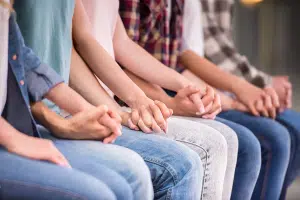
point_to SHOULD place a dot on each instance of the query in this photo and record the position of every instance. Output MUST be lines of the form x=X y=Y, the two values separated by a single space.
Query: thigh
x=22 y=178
x=265 y=129
x=290 y=119
x=161 y=154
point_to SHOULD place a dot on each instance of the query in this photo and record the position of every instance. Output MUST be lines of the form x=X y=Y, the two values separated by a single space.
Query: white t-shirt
x=103 y=16
x=192 y=27
x=4 y=17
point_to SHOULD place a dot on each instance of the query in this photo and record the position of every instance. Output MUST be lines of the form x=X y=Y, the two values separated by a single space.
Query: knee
x=184 y=165
x=138 y=175
x=278 y=139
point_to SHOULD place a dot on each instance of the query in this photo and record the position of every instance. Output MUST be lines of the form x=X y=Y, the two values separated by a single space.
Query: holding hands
x=191 y=101
x=147 y=115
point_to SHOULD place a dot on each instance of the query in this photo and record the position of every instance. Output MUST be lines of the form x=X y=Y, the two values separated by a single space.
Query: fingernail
x=198 y=113
x=202 y=110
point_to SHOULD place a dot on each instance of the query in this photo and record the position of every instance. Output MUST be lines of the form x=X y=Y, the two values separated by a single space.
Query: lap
x=31 y=179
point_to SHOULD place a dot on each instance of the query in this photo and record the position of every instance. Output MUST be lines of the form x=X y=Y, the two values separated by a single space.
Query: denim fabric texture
x=176 y=170
x=275 y=144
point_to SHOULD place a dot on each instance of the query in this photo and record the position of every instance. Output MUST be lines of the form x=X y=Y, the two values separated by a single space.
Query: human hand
x=187 y=102
x=229 y=103
x=256 y=99
x=149 y=115
x=97 y=124
x=283 y=88
x=212 y=103
x=36 y=149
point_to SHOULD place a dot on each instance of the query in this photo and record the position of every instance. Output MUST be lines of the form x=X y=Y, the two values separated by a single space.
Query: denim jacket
x=35 y=78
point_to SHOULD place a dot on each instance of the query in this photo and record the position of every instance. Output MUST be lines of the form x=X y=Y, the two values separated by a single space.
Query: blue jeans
x=175 y=169
x=291 y=120
x=248 y=162
x=275 y=143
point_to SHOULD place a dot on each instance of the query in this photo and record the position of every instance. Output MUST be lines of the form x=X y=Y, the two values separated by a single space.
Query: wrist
x=237 y=85
x=183 y=83
x=133 y=100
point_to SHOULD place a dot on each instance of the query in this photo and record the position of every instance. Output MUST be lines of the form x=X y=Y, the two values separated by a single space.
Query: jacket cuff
x=40 y=81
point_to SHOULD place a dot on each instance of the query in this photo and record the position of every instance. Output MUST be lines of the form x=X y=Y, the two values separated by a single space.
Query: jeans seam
x=206 y=170
x=263 y=191
x=165 y=165
x=46 y=188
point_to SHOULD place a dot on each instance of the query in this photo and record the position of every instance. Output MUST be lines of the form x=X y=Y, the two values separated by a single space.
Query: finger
x=146 y=116
x=98 y=112
x=158 y=117
x=208 y=97
x=289 y=99
x=196 y=99
x=213 y=115
x=260 y=108
x=132 y=126
x=164 y=109
x=274 y=97
x=115 y=116
x=287 y=85
x=216 y=108
x=111 y=124
x=135 y=116
x=110 y=139
x=186 y=92
x=59 y=159
x=156 y=128
x=269 y=107
x=143 y=127
x=253 y=109
x=171 y=112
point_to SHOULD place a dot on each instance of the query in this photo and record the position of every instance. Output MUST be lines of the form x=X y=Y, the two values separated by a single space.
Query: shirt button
x=14 y=57
x=22 y=82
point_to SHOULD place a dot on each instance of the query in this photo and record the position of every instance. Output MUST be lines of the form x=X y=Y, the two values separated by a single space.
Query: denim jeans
x=217 y=146
x=275 y=143
x=248 y=162
x=98 y=172
x=176 y=170
x=291 y=120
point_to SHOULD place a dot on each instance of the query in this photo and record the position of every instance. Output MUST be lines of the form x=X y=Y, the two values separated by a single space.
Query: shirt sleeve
x=39 y=77
x=130 y=14
x=192 y=28
x=221 y=51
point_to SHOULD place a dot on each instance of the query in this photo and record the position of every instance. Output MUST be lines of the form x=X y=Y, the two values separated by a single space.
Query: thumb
x=98 y=112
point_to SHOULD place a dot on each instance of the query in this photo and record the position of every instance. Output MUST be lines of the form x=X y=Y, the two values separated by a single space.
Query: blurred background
x=268 y=33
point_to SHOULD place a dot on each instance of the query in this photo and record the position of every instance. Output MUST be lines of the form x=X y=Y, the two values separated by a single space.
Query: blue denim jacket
x=35 y=78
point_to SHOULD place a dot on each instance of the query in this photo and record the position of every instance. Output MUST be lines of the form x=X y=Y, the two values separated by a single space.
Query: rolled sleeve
x=40 y=81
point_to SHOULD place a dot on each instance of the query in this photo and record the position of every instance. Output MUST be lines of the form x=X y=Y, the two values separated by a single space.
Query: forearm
x=52 y=121
x=90 y=88
x=7 y=133
x=209 y=72
x=134 y=58
x=152 y=91
x=67 y=99
x=103 y=65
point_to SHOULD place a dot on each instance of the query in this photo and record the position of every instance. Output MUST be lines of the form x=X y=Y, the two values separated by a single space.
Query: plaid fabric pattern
x=147 y=23
x=219 y=45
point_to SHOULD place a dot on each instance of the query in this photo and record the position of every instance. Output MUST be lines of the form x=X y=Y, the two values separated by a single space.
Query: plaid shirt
x=147 y=23
x=219 y=45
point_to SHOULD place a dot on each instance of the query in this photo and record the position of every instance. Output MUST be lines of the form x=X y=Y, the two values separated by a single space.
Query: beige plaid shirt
x=219 y=46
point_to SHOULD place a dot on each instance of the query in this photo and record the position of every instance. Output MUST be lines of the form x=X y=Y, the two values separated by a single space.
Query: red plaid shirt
x=147 y=23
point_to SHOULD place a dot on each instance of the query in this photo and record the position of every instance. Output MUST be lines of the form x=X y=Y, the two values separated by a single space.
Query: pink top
x=103 y=17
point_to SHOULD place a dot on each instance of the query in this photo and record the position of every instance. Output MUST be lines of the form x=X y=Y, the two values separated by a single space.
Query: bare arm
x=101 y=63
x=141 y=63
x=209 y=72
x=67 y=99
